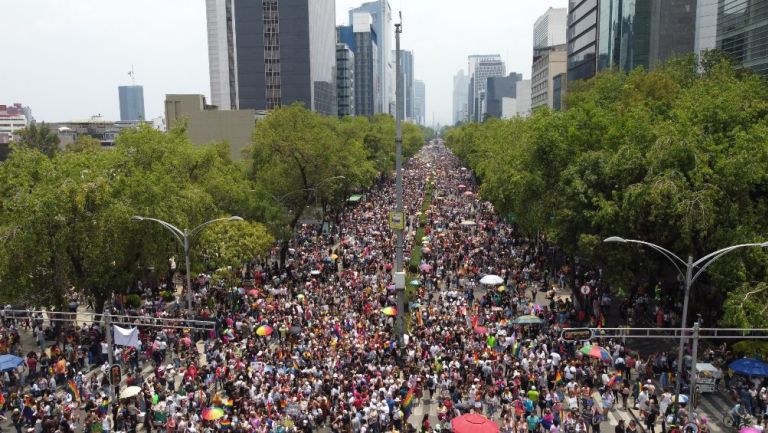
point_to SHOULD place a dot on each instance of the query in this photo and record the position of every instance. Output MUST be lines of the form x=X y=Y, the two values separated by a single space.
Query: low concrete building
x=205 y=123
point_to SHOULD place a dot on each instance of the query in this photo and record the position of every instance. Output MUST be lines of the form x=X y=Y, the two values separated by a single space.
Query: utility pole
x=399 y=277
x=692 y=374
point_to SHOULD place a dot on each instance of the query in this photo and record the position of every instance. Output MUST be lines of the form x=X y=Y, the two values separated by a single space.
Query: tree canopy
x=66 y=220
x=301 y=158
x=677 y=156
x=66 y=216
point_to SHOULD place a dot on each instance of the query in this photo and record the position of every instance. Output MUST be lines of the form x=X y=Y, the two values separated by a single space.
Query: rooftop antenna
x=132 y=74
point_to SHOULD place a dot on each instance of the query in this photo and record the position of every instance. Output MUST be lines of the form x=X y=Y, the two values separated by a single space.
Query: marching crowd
x=311 y=346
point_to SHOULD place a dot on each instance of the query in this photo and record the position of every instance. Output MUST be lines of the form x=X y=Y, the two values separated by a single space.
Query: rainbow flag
x=72 y=389
x=225 y=424
x=229 y=403
x=616 y=378
x=408 y=400
x=558 y=377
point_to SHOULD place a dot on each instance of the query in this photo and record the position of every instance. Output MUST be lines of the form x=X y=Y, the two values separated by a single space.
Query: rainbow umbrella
x=264 y=330
x=212 y=413
x=595 y=351
x=389 y=311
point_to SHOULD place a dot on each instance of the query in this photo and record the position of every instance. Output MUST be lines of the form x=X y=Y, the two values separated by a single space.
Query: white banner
x=126 y=337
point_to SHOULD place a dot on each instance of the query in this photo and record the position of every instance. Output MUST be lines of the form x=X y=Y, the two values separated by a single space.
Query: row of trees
x=677 y=156
x=65 y=216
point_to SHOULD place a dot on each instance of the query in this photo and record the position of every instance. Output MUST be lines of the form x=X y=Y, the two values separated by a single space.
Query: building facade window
x=272 y=82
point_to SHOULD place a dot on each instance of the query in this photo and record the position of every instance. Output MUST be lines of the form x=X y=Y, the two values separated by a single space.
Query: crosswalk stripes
x=713 y=405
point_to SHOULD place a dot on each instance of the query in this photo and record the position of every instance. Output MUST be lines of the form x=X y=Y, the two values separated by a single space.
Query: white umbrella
x=468 y=223
x=130 y=392
x=491 y=280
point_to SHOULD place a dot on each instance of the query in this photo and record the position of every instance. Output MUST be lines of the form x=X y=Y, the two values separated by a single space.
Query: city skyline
x=168 y=62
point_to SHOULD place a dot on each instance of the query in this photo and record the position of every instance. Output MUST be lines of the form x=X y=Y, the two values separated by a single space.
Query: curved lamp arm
x=672 y=257
x=198 y=229
x=707 y=260
x=177 y=233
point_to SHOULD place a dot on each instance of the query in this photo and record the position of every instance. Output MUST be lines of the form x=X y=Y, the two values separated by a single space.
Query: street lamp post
x=691 y=274
x=400 y=281
x=185 y=238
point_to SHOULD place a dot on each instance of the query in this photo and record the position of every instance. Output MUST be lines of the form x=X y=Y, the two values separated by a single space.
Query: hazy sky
x=65 y=58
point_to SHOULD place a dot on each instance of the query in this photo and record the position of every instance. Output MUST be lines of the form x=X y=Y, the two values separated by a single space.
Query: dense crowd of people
x=310 y=346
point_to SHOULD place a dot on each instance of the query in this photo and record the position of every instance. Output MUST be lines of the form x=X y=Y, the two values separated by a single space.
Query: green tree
x=677 y=156
x=67 y=220
x=39 y=138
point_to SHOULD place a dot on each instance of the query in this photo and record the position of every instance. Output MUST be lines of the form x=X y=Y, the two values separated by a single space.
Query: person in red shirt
x=32 y=366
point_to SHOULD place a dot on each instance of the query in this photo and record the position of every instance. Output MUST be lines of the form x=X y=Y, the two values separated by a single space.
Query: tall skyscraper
x=635 y=34
x=499 y=88
x=362 y=38
x=582 y=38
x=419 y=102
x=549 y=29
x=381 y=13
x=742 y=32
x=406 y=63
x=480 y=68
x=131 y=103
x=345 y=80
x=268 y=53
x=460 y=94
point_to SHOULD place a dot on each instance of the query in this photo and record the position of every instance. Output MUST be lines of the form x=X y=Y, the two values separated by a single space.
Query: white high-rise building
x=381 y=13
x=460 y=94
x=550 y=29
x=706 y=26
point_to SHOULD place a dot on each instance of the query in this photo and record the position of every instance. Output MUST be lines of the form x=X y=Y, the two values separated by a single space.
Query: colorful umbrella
x=212 y=413
x=414 y=282
x=425 y=267
x=595 y=351
x=467 y=193
x=481 y=329
x=491 y=280
x=130 y=391
x=749 y=367
x=253 y=292
x=264 y=330
x=389 y=311
x=473 y=423
x=528 y=319
x=462 y=186
x=501 y=289
x=9 y=362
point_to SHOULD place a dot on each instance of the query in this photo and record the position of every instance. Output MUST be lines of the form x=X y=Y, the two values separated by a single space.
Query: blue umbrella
x=749 y=367
x=9 y=362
